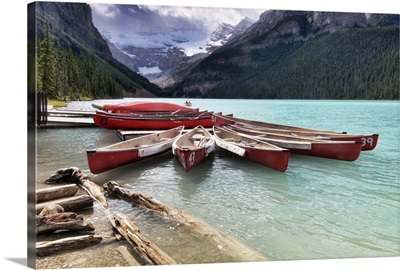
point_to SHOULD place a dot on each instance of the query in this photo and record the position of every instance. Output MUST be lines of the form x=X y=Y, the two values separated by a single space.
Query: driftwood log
x=52 y=193
x=149 y=252
x=199 y=228
x=51 y=208
x=69 y=204
x=75 y=175
x=137 y=199
x=68 y=243
x=49 y=221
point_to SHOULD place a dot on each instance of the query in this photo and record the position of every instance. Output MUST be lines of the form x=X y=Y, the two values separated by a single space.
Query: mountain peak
x=164 y=44
x=222 y=32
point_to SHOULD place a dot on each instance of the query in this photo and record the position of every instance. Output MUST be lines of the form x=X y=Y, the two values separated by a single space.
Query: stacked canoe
x=149 y=116
x=193 y=135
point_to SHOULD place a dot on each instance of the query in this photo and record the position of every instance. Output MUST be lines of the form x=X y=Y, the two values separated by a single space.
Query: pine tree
x=47 y=65
x=61 y=74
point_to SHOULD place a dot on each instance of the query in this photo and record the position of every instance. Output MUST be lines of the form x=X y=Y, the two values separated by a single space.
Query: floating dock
x=69 y=118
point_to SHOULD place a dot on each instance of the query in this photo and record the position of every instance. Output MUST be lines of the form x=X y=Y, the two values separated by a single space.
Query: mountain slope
x=72 y=28
x=336 y=66
x=293 y=54
x=158 y=52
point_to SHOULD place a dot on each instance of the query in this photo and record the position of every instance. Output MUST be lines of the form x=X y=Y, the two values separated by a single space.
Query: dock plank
x=70 y=113
x=57 y=119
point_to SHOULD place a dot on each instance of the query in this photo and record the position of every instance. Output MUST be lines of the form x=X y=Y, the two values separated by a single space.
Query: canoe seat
x=141 y=145
x=190 y=147
x=232 y=140
x=196 y=137
x=160 y=139
x=246 y=143
x=203 y=141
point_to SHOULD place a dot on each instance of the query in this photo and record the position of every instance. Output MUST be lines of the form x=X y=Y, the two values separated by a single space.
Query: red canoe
x=339 y=150
x=369 y=141
x=150 y=123
x=255 y=150
x=142 y=106
x=177 y=114
x=130 y=151
x=193 y=146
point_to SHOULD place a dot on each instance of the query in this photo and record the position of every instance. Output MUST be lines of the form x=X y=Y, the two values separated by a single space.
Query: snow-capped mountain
x=152 y=52
x=154 y=44
x=188 y=40
x=226 y=32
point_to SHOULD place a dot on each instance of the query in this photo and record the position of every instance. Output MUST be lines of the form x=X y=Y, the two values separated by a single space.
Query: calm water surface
x=318 y=208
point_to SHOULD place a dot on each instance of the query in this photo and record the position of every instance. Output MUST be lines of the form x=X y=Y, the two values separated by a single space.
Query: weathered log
x=74 y=174
x=52 y=193
x=68 y=243
x=51 y=208
x=92 y=188
x=198 y=228
x=62 y=175
x=67 y=221
x=137 y=199
x=149 y=252
x=70 y=204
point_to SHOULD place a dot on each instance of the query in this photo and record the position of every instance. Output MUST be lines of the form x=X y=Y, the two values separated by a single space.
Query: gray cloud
x=210 y=17
x=132 y=16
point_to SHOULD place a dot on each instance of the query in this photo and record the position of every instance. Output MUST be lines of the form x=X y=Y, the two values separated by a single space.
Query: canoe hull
x=346 y=151
x=225 y=120
x=143 y=106
x=190 y=158
x=277 y=160
x=190 y=150
x=131 y=151
x=339 y=150
x=100 y=162
x=369 y=141
x=115 y=123
x=270 y=156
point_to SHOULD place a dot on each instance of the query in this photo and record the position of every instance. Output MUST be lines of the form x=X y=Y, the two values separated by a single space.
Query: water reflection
x=189 y=183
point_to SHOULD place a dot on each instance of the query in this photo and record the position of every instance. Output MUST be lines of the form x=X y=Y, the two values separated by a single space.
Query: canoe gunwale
x=266 y=154
x=190 y=154
x=106 y=158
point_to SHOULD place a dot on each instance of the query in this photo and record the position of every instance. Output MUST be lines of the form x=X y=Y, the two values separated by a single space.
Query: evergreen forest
x=361 y=63
x=74 y=74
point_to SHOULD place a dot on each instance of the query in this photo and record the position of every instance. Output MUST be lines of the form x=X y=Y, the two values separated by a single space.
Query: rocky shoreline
x=172 y=236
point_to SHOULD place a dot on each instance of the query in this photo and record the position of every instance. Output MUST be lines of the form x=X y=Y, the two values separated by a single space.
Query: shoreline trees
x=64 y=75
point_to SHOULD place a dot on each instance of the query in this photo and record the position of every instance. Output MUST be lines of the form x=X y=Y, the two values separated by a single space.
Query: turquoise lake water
x=317 y=209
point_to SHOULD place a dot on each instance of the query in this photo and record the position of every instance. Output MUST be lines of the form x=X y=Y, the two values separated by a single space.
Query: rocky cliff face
x=71 y=25
x=383 y=19
x=274 y=28
x=281 y=26
x=226 y=32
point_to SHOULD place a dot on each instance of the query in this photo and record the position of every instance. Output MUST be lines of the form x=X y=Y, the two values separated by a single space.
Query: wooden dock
x=69 y=118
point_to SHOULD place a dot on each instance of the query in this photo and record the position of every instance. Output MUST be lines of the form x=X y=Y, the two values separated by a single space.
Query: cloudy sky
x=132 y=17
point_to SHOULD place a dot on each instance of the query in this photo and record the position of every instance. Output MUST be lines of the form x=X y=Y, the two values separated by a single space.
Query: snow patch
x=149 y=70
x=132 y=56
